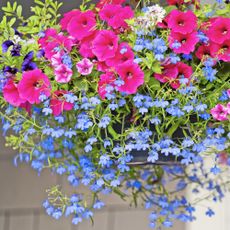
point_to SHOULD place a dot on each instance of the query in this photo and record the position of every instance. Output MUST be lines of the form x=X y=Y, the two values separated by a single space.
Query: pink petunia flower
x=132 y=75
x=85 y=66
x=172 y=73
x=204 y=51
x=63 y=73
x=67 y=18
x=123 y=54
x=105 y=79
x=102 y=67
x=32 y=85
x=175 y=2
x=27 y=106
x=56 y=59
x=54 y=40
x=219 y=30
x=105 y=45
x=184 y=71
x=11 y=94
x=82 y=25
x=228 y=92
x=58 y=103
x=219 y=112
x=103 y=3
x=86 y=46
x=228 y=108
x=187 y=42
x=115 y=15
x=182 y=22
x=221 y=51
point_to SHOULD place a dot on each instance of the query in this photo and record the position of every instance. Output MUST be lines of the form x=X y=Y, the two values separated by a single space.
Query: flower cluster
x=120 y=101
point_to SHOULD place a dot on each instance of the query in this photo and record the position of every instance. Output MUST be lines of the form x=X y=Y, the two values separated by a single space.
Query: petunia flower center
x=84 y=22
x=224 y=31
x=180 y=23
x=38 y=84
x=129 y=75
x=183 y=41
x=110 y=45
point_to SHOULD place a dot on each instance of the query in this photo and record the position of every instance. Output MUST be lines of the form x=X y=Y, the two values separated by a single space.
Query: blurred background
x=22 y=192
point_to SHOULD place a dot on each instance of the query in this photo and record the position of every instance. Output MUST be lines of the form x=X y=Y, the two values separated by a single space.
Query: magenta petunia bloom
x=204 y=51
x=86 y=46
x=219 y=31
x=103 y=3
x=102 y=67
x=228 y=108
x=182 y=22
x=105 y=80
x=11 y=94
x=105 y=45
x=221 y=51
x=58 y=103
x=124 y=53
x=169 y=73
x=115 y=15
x=172 y=73
x=132 y=75
x=85 y=66
x=27 y=106
x=219 y=112
x=67 y=18
x=184 y=71
x=82 y=25
x=32 y=85
x=63 y=73
x=54 y=40
x=187 y=42
x=228 y=92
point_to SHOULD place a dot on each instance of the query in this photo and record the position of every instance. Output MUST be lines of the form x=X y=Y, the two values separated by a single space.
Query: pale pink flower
x=85 y=66
x=62 y=73
x=220 y=112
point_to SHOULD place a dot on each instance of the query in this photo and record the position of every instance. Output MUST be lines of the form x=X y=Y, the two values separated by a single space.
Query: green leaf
x=154 y=84
x=173 y=128
x=156 y=67
x=19 y=11
x=113 y=133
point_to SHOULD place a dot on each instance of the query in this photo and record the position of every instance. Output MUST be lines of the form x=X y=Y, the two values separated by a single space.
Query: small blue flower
x=76 y=220
x=210 y=213
x=104 y=122
x=98 y=204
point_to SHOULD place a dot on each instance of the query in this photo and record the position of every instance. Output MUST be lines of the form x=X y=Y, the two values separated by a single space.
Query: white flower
x=148 y=21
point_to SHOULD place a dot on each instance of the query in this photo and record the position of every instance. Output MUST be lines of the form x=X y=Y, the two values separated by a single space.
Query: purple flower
x=27 y=63
x=6 y=45
x=16 y=50
x=9 y=71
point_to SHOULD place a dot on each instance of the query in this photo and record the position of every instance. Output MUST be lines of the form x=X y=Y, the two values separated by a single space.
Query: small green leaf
x=154 y=84
x=113 y=133
x=19 y=11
